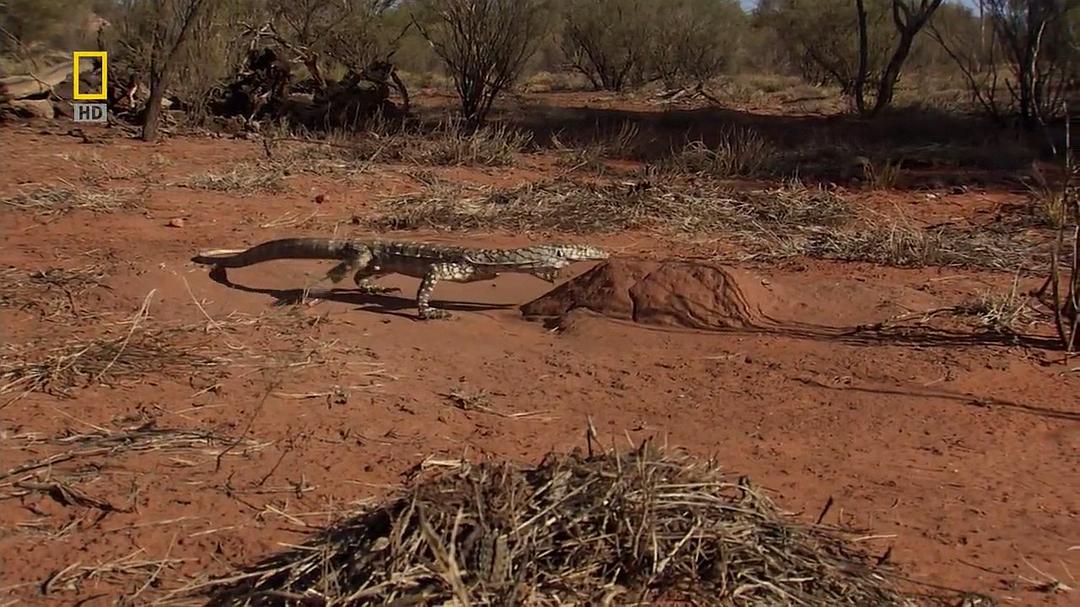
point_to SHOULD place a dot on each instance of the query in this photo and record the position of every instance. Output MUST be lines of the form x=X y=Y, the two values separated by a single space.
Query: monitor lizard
x=370 y=259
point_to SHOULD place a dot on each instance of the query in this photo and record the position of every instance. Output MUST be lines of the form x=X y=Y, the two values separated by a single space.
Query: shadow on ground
x=920 y=138
x=378 y=303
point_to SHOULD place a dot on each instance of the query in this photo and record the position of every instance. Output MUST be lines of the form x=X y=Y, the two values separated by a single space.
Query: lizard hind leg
x=352 y=263
x=363 y=280
x=358 y=262
x=318 y=286
x=337 y=273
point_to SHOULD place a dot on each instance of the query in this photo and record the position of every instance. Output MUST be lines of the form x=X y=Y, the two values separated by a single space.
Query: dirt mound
x=669 y=293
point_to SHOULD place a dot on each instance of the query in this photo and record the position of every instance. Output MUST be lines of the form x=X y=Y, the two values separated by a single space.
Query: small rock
x=320 y=198
x=176 y=222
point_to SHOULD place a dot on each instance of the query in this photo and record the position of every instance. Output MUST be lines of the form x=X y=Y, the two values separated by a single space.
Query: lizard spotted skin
x=431 y=263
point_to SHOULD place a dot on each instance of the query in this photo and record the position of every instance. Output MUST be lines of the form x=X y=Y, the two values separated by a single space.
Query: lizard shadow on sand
x=378 y=303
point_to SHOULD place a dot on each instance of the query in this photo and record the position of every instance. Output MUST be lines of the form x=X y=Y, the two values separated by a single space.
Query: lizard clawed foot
x=433 y=314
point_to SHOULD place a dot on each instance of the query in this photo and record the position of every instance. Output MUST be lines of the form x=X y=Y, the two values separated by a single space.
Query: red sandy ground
x=961 y=457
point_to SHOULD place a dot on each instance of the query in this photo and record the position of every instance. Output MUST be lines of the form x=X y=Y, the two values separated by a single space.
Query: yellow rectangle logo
x=99 y=55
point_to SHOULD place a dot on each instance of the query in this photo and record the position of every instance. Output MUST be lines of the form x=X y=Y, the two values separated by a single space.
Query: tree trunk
x=470 y=110
x=908 y=23
x=161 y=68
x=159 y=73
x=864 y=58
x=1030 y=98
x=887 y=86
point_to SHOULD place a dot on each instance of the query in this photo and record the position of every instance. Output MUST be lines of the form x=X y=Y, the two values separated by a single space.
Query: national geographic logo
x=101 y=56
x=90 y=112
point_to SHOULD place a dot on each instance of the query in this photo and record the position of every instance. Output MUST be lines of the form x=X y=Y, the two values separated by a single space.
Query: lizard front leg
x=455 y=272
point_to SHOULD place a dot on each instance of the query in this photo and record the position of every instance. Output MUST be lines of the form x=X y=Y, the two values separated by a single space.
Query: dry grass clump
x=884 y=175
x=100 y=171
x=449 y=145
x=578 y=207
x=613 y=529
x=50 y=291
x=72 y=469
x=1049 y=203
x=793 y=205
x=899 y=243
x=606 y=143
x=328 y=156
x=1003 y=313
x=83 y=362
x=784 y=221
x=741 y=152
x=146 y=437
x=445 y=144
x=60 y=199
x=138 y=351
x=244 y=178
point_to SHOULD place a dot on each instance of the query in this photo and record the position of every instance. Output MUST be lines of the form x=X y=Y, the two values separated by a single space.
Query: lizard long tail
x=285 y=248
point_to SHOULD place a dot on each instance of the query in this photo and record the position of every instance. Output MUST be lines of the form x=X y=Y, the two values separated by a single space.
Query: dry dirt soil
x=957 y=453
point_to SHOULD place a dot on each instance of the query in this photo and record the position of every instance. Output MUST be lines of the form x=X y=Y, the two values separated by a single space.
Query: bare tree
x=605 y=40
x=484 y=45
x=909 y=19
x=175 y=20
x=316 y=30
x=1033 y=41
x=681 y=42
x=862 y=50
x=961 y=34
x=692 y=41
x=1033 y=34
x=823 y=38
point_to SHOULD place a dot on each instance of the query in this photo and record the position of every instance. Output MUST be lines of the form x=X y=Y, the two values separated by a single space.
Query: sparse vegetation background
x=1004 y=58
